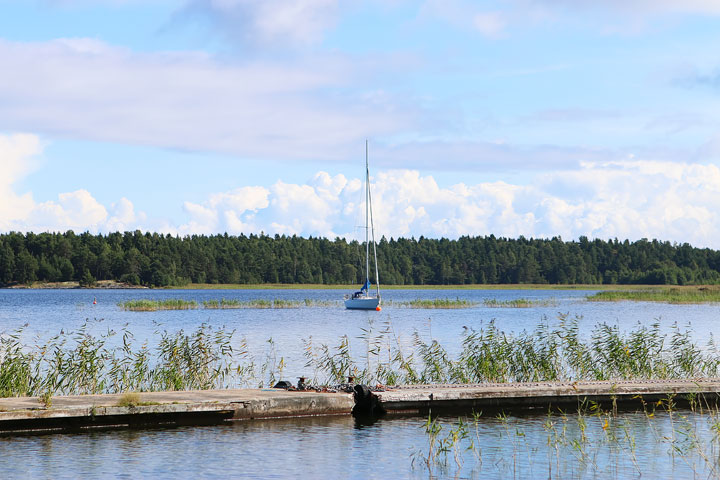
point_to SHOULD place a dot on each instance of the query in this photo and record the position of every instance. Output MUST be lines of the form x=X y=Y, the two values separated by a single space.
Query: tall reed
x=84 y=362
x=488 y=354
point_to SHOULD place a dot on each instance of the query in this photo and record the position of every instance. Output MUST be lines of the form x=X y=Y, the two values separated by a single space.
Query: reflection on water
x=341 y=447
x=47 y=312
x=560 y=446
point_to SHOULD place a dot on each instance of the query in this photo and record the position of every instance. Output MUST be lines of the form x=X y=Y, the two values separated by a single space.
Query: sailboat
x=364 y=299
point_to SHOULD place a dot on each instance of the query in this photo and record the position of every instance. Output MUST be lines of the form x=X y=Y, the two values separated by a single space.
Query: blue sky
x=513 y=117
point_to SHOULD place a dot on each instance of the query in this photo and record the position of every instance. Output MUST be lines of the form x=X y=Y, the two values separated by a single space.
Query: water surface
x=517 y=447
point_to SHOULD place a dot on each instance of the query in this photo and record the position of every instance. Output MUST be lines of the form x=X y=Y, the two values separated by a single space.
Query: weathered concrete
x=216 y=406
x=167 y=408
x=420 y=399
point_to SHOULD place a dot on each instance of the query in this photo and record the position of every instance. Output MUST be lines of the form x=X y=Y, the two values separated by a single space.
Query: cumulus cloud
x=77 y=210
x=231 y=212
x=630 y=199
x=600 y=199
x=17 y=156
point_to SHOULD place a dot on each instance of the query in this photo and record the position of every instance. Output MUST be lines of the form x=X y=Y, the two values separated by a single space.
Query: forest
x=158 y=260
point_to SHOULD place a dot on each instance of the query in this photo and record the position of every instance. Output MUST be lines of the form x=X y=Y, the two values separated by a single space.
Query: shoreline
x=100 y=285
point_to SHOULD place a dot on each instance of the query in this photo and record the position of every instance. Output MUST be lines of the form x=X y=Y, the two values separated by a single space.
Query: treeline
x=163 y=260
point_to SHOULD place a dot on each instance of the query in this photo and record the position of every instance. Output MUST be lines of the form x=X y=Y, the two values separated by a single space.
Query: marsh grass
x=548 y=353
x=76 y=363
x=589 y=442
x=442 y=303
x=154 y=305
x=223 y=303
x=81 y=362
x=677 y=295
x=519 y=303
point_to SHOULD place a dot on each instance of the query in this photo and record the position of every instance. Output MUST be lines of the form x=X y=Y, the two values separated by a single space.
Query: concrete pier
x=217 y=406
x=166 y=408
x=421 y=399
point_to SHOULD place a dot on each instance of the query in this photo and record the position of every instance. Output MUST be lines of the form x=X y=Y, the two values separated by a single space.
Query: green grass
x=132 y=399
x=262 y=303
x=676 y=295
x=444 y=303
x=222 y=303
x=154 y=305
x=129 y=399
x=519 y=303
x=79 y=362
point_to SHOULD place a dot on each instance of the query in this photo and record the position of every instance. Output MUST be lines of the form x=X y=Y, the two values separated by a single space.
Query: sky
x=539 y=118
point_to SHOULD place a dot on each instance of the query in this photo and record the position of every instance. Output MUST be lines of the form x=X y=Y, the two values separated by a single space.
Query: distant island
x=160 y=260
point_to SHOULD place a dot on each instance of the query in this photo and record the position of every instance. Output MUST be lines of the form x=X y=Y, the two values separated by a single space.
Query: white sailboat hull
x=363 y=300
x=362 y=303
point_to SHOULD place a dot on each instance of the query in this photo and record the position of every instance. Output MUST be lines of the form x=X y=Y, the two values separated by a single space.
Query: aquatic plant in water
x=436 y=303
x=589 y=442
x=223 y=303
x=154 y=305
x=82 y=362
x=676 y=295
x=519 y=303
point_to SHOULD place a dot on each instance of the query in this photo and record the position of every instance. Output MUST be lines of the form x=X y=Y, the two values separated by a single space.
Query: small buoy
x=377 y=309
x=95 y=301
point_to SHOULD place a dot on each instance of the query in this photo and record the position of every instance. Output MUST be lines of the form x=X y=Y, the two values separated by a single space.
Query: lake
x=342 y=447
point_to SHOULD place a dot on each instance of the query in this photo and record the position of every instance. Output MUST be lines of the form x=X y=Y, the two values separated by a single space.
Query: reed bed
x=155 y=305
x=442 y=303
x=223 y=303
x=666 y=295
x=519 y=303
x=548 y=353
x=80 y=362
x=72 y=363
x=656 y=440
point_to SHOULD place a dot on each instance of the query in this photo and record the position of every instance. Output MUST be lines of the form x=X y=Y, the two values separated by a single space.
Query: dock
x=152 y=409
x=424 y=399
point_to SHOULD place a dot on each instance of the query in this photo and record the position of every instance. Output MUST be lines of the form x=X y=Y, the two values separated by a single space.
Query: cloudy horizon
x=539 y=118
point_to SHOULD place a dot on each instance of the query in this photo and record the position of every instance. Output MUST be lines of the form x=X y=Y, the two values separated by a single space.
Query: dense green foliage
x=165 y=260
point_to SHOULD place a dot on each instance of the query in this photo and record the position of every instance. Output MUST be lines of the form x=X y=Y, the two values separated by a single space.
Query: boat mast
x=367 y=214
x=372 y=229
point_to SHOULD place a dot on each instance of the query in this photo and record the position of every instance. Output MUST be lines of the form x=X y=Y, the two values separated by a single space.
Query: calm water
x=339 y=447
x=47 y=312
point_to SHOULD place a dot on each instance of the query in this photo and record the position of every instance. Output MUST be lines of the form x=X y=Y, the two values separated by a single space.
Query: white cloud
x=601 y=199
x=77 y=210
x=632 y=199
x=270 y=22
x=490 y=24
x=466 y=15
x=17 y=159
x=230 y=212
x=648 y=6
x=123 y=217
x=83 y=88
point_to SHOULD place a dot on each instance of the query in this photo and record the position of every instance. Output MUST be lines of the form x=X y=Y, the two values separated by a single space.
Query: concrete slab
x=167 y=408
x=215 y=406
x=420 y=399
